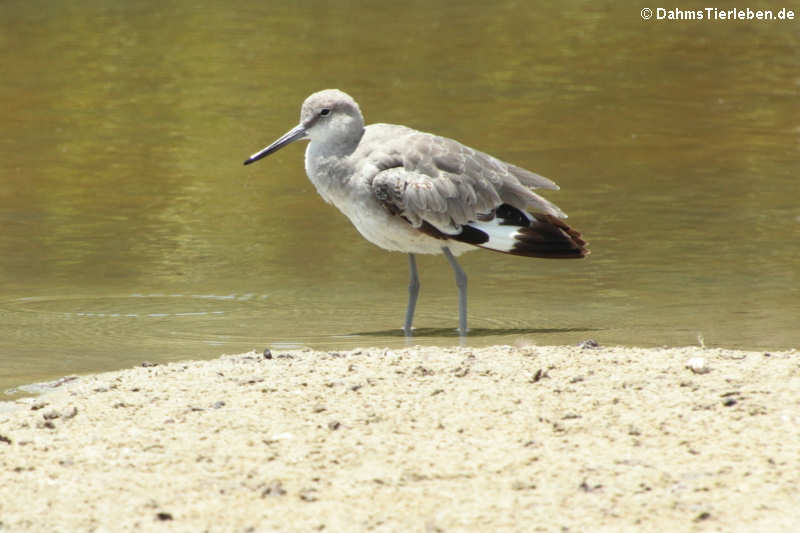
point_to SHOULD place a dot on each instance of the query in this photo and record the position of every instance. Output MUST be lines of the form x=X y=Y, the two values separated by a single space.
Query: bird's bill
x=294 y=134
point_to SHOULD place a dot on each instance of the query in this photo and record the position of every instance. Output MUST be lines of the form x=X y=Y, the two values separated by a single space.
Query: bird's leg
x=461 y=283
x=413 y=292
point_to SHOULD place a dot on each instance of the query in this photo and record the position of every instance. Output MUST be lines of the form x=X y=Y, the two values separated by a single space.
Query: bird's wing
x=427 y=178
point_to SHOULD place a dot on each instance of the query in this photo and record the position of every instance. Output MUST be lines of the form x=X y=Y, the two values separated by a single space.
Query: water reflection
x=432 y=333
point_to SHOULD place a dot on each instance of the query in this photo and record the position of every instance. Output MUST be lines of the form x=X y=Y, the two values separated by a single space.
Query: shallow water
x=130 y=231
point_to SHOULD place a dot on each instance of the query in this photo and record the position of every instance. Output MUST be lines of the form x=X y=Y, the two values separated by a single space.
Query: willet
x=419 y=193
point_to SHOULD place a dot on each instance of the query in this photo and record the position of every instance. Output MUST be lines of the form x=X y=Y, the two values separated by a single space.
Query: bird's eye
x=325 y=112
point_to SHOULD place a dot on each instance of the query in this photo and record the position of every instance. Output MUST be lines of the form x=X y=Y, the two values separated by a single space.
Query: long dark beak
x=294 y=134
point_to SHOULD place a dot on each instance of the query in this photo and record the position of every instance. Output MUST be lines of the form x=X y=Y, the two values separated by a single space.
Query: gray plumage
x=441 y=181
x=416 y=192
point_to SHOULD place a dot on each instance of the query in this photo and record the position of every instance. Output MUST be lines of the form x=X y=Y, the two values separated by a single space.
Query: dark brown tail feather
x=549 y=237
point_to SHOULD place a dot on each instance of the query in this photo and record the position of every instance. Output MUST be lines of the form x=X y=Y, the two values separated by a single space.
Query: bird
x=419 y=193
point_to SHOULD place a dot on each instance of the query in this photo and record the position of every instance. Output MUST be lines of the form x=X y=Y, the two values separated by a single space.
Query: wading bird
x=419 y=193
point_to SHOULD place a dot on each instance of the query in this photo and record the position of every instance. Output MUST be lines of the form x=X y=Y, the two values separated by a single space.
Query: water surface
x=130 y=231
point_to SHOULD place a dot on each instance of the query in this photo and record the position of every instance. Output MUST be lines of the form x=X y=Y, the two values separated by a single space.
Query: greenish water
x=130 y=231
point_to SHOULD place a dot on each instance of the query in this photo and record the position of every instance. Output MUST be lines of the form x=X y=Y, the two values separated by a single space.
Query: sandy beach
x=526 y=438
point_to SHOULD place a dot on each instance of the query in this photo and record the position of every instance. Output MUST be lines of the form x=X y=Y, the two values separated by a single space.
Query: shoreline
x=423 y=438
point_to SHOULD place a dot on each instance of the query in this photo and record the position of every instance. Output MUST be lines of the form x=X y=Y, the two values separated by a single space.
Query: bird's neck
x=336 y=145
x=329 y=170
x=329 y=152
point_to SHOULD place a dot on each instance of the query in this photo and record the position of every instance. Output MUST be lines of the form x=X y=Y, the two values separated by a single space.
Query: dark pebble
x=164 y=516
x=422 y=371
x=309 y=495
x=585 y=487
x=274 y=489
x=461 y=371
x=267 y=353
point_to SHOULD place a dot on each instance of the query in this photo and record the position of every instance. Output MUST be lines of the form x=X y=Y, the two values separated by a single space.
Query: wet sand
x=525 y=438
